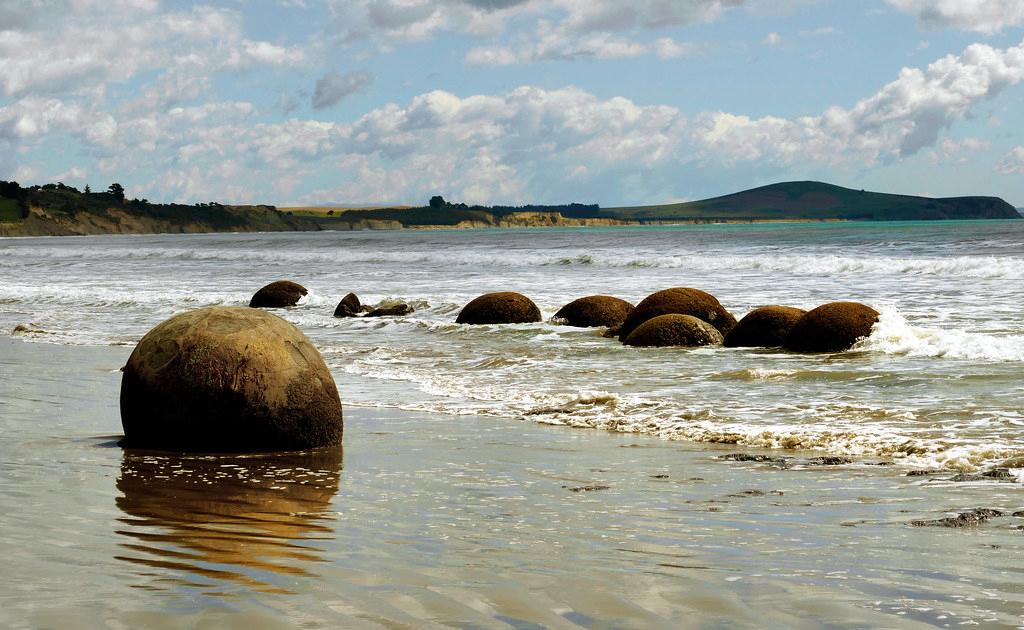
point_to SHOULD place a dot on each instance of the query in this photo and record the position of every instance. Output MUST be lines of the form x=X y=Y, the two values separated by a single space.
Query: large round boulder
x=595 y=310
x=679 y=301
x=349 y=306
x=504 y=307
x=764 y=327
x=674 y=330
x=831 y=327
x=278 y=295
x=223 y=379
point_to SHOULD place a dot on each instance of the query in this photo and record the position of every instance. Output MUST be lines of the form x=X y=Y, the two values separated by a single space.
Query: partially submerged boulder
x=679 y=301
x=228 y=379
x=674 y=330
x=504 y=307
x=764 y=327
x=395 y=310
x=349 y=306
x=831 y=327
x=595 y=310
x=278 y=295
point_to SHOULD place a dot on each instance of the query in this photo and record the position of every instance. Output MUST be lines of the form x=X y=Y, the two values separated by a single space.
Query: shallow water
x=470 y=522
x=937 y=385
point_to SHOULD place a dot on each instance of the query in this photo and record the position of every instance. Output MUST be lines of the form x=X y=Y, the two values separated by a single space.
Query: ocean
x=532 y=475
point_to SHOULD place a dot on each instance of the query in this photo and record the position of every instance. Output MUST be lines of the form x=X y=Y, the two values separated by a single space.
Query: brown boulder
x=764 y=327
x=349 y=306
x=831 y=327
x=595 y=310
x=278 y=295
x=680 y=301
x=394 y=310
x=505 y=307
x=223 y=379
x=674 y=330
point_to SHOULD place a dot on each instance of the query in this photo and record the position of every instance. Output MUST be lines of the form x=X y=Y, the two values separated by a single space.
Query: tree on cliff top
x=437 y=201
x=117 y=190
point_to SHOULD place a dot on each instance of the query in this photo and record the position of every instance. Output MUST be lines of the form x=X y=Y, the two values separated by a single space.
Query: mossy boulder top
x=674 y=330
x=278 y=294
x=504 y=307
x=679 y=301
x=595 y=310
x=764 y=327
x=832 y=327
x=228 y=379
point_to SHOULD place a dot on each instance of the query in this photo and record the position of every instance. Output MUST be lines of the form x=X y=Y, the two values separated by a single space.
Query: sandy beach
x=445 y=521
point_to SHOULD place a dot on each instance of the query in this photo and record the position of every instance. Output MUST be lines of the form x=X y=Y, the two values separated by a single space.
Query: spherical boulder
x=674 y=330
x=764 y=327
x=349 y=306
x=504 y=307
x=595 y=310
x=831 y=327
x=228 y=379
x=680 y=301
x=278 y=295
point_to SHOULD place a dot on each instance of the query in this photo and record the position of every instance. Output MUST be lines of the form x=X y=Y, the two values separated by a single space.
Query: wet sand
x=469 y=522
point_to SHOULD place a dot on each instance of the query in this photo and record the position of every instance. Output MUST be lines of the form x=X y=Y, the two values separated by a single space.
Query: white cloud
x=983 y=16
x=773 y=39
x=562 y=29
x=333 y=87
x=899 y=120
x=1013 y=162
x=949 y=150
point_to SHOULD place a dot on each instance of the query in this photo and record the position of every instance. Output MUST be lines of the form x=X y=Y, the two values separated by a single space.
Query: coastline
x=440 y=520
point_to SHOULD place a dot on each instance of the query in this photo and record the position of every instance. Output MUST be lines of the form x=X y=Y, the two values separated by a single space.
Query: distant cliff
x=56 y=209
x=820 y=201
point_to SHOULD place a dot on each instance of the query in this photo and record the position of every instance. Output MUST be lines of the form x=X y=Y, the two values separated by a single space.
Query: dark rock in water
x=391 y=311
x=747 y=457
x=679 y=301
x=674 y=330
x=1019 y=514
x=963 y=519
x=1001 y=474
x=504 y=307
x=828 y=461
x=922 y=473
x=278 y=295
x=612 y=333
x=349 y=306
x=595 y=310
x=764 y=327
x=831 y=327
x=586 y=488
x=226 y=379
x=756 y=492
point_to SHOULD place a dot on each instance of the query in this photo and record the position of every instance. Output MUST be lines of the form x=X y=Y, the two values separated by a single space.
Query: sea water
x=456 y=504
x=936 y=385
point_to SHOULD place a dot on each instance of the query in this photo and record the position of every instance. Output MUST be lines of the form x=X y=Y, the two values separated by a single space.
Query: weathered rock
x=278 y=295
x=973 y=518
x=349 y=306
x=391 y=311
x=831 y=327
x=505 y=307
x=760 y=459
x=679 y=301
x=225 y=379
x=595 y=310
x=764 y=327
x=828 y=461
x=674 y=330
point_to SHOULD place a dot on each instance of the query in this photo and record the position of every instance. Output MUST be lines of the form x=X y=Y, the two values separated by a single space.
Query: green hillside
x=818 y=200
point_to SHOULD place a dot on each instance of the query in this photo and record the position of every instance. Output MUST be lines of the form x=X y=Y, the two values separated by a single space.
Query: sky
x=356 y=102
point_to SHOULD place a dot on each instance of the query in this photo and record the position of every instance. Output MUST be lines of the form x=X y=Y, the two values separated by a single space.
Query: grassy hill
x=817 y=200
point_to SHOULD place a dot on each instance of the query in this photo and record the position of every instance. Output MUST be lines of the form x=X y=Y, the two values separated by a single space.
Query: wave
x=765 y=261
x=893 y=335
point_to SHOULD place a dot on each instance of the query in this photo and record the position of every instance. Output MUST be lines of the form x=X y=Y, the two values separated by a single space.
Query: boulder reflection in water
x=210 y=521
